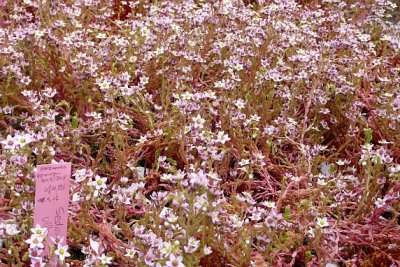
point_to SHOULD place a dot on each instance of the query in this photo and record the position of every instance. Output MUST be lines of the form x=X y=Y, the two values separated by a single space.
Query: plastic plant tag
x=52 y=200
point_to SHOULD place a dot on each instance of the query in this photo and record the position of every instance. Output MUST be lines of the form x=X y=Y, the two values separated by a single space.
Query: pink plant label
x=52 y=199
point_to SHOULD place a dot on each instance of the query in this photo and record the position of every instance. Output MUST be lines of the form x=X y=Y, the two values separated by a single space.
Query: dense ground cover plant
x=204 y=133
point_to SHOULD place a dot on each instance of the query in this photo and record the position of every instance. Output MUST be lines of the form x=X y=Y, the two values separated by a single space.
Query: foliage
x=204 y=133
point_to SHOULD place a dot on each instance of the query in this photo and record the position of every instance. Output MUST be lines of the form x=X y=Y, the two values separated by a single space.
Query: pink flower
x=199 y=178
x=192 y=245
x=175 y=261
x=26 y=80
x=37 y=262
x=9 y=143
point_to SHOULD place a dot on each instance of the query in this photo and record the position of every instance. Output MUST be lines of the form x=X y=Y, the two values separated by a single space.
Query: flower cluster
x=210 y=133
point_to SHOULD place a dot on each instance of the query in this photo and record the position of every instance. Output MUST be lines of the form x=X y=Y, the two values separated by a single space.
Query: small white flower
x=124 y=179
x=238 y=66
x=76 y=197
x=270 y=221
x=38 y=230
x=144 y=80
x=80 y=175
x=105 y=259
x=222 y=137
x=342 y=162
x=175 y=261
x=159 y=51
x=99 y=182
x=322 y=222
x=186 y=96
x=101 y=35
x=23 y=140
x=142 y=139
x=9 y=143
x=240 y=104
x=269 y=204
x=11 y=229
x=26 y=80
x=198 y=122
x=130 y=253
x=214 y=176
x=235 y=221
x=192 y=246
x=94 y=245
x=207 y=250
x=104 y=85
x=35 y=241
x=39 y=33
x=167 y=248
x=379 y=202
x=49 y=92
x=218 y=84
x=364 y=37
x=199 y=178
x=132 y=59
x=166 y=177
x=62 y=252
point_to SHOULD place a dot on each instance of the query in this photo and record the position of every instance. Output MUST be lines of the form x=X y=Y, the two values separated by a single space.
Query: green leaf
x=308 y=255
x=368 y=135
x=74 y=122
x=331 y=168
x=287 y=212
